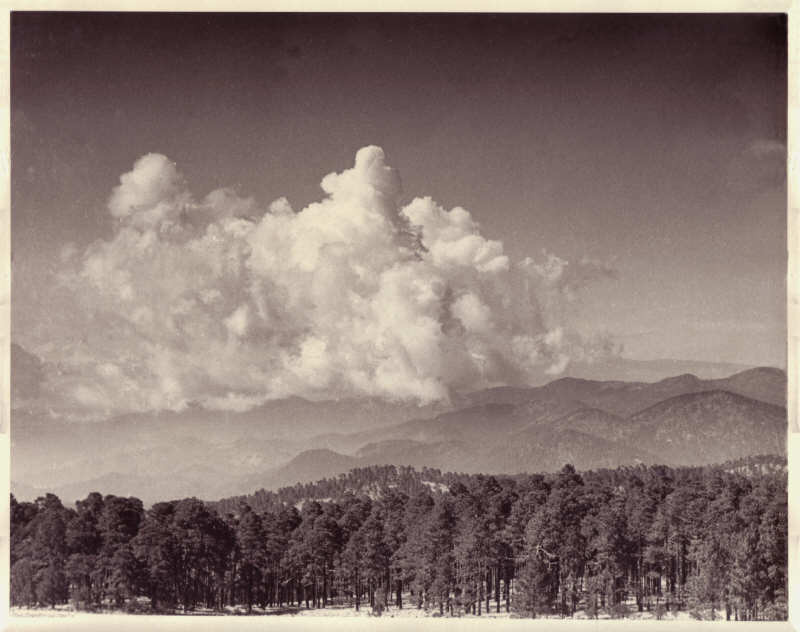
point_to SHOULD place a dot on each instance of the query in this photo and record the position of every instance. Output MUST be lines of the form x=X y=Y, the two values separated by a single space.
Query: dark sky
x=653 y=143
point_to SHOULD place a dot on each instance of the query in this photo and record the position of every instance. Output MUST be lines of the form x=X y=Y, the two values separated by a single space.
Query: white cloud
x=565 y=277
x=149 y=195
x=238 y=322
x=473 y=313
x=453 y=239
x=229 y=304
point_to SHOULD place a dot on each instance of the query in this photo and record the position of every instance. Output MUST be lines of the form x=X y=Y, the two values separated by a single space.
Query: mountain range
x=682 y=420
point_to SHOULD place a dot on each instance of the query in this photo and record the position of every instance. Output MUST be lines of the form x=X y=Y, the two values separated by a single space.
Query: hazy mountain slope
x=536 y=449
x=692 y=428
x=307 y=466
x=490 y=415
x=537 y=412
x=593 y=421
x=485 y=423
x=206 y=453
x=147 y=489
x=709 y=427
x=53 y=452
x=446 y=455
x=79 y=457
x=766 y=384
x=546 y=449
x=474 y=424
x=316 y=464
x=513 y=395
x=625 y=398
x=621 y=398
x=291 y=419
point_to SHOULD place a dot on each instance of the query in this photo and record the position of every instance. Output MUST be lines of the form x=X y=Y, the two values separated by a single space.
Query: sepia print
x=410 y=316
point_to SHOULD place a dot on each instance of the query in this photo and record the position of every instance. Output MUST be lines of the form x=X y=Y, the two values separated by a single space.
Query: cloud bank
x=221 y=302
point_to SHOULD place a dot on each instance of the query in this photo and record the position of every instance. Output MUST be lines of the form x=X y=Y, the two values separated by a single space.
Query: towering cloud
x=224 y=303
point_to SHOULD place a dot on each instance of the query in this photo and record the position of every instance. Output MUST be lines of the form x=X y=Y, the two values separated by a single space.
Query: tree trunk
x=497 y=588
x=399 y=600
x=488 y=589
x=371 y=594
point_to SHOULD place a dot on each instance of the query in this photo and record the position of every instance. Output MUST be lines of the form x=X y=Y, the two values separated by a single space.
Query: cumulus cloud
x=567 y=278
x=219 y=301
x=149 y=196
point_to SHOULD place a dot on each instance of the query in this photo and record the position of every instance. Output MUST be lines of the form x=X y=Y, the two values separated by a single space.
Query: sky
x=516 y=195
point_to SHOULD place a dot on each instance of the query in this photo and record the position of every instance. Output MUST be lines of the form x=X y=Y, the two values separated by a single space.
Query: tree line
x=656 y=538
x=370 y=480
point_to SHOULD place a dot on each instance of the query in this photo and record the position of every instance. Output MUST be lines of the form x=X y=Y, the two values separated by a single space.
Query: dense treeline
x=706 y=540
x=369 y=480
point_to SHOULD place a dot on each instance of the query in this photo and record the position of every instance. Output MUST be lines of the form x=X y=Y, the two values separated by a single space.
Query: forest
x=710 y=541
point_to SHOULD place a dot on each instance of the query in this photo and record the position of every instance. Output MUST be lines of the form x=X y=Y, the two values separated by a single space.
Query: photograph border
x=407 y=6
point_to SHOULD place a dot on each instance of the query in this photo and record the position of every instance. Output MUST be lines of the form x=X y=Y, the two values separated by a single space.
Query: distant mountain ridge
x=622 y=369
x=590 y=423
x=624 y=398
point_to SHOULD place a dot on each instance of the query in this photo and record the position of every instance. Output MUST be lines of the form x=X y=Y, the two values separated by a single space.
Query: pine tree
x=50 y=552
x=438 y=572
x=394 y=506
x=410 y=557
x=118 y=523
x=23 y=570
x=554 y=536
x=157 y=548
x=376 y=555
x=773 y=549
x=251 y=543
